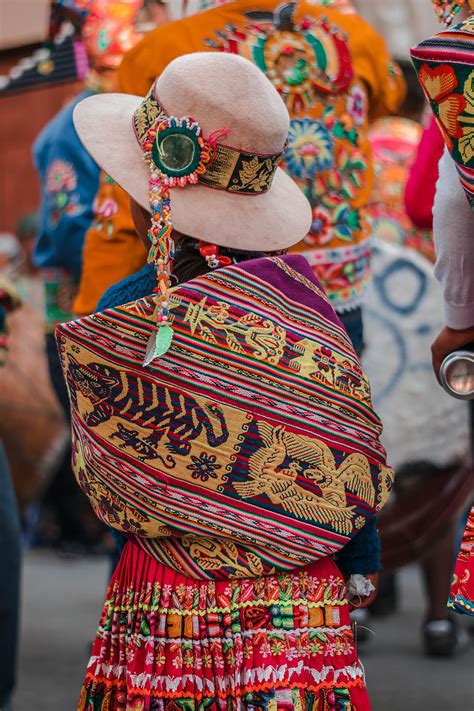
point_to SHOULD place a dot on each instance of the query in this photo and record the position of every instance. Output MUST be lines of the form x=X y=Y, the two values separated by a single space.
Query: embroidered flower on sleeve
x=310 y=148
x=357 y=105
x=61 y=176
x=61 y=185
x=439 y=84
x=321 y=228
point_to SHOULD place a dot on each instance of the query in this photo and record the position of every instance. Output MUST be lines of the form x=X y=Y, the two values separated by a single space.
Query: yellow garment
x=112 y=248
x=340 y=253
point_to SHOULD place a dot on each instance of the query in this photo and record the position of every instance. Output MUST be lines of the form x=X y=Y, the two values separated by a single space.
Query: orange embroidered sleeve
x=112 y=249
x=382 y=76
x=146 y=61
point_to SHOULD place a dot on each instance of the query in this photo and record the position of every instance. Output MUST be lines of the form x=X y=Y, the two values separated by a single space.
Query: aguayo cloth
x=445 y=67
x=250 y=447
x=274 y=643
x=461 y=597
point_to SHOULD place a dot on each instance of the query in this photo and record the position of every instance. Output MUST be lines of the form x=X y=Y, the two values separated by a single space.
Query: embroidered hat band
x=178 y=149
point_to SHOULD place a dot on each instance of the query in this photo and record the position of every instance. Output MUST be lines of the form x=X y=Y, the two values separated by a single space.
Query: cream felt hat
x=237 y=197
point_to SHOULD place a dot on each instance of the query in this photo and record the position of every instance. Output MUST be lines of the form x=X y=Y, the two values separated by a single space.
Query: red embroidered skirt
x=461 y=598
x=169 y=642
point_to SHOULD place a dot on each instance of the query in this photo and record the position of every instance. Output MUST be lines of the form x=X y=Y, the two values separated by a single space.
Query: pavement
x=62 y=600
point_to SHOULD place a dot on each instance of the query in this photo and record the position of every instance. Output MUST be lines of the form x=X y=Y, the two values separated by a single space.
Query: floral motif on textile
x=61 y=192
x=105 y=207
x=446 y=72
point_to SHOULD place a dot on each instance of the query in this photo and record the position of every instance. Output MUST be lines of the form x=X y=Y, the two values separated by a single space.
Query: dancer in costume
x=225 y=425
x=69 y=180
x=445 y=66
x=333 y=72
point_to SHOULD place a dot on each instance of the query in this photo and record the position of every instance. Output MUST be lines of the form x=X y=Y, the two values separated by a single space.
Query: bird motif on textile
x=275 y=467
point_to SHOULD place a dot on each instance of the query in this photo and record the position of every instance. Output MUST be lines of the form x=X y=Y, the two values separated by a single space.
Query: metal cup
x=457 y=373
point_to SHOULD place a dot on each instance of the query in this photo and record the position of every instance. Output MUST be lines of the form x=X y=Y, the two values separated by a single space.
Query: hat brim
x=271 y=221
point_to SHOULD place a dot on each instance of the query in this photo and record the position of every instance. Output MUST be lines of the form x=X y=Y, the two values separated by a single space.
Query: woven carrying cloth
x=250 y=447
x=445 y=67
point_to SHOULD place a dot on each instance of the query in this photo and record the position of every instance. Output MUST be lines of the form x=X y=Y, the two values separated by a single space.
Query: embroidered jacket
x=69 y=179
x=112 y=250
x=334 y=73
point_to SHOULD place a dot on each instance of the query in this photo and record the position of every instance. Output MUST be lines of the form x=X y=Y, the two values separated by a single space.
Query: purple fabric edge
x=266 y=269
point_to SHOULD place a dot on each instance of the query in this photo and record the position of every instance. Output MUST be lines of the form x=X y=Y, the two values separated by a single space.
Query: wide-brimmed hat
x=242 y=199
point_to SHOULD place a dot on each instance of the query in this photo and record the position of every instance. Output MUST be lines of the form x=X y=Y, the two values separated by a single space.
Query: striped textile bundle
x=445 y=67
x=250 y=447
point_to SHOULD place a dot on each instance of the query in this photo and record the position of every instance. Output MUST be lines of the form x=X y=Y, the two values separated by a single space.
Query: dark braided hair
x=189 y=262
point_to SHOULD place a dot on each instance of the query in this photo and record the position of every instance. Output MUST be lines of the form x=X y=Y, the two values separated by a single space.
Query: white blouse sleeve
x=453 y=231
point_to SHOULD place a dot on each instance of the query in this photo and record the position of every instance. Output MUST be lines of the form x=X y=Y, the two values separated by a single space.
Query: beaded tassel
x=160 y=234
x=161 y=254
x=447 y=11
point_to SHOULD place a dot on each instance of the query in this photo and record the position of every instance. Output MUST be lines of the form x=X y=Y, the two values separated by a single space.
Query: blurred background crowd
x=52 y=54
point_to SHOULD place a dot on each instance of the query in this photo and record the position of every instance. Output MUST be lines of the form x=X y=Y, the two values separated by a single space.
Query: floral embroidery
x=308 y=61
x=61 y=184
x=348 y=175
x=346 y=221
x=439 y=84
x=321 y=228
x=105 y=209
x=450 y=90
x=204 y=466
x=61 y=176
x=357 y=105
x=310 y=148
